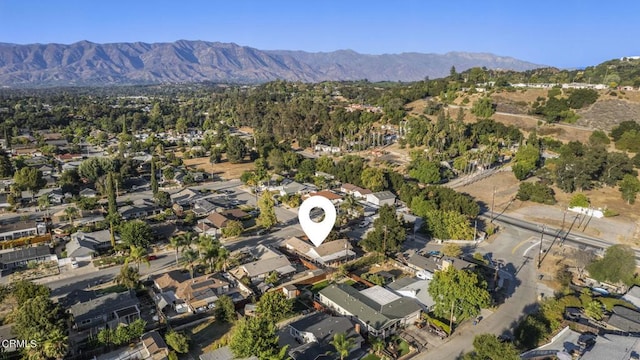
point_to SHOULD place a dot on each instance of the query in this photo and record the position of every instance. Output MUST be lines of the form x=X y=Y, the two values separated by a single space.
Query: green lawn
x=350 y=282
x=403 y=348
x=319 y=286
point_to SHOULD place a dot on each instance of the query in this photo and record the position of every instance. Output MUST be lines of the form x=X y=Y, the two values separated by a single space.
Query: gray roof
x=417 y=287
x=6 y=332
x=384 y=195
x=367 y=310
x=633 y=295
x=422 y=262
x=84 y=244
x=24 y=254
x=324 y=326
x=622 y=323
x=103 y=305
x=223 y=353
x=280 y=264
x=88 y=192
x=613 y=347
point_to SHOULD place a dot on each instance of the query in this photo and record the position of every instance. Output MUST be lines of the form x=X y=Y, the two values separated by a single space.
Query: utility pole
x=493 y=203
x=540 y=251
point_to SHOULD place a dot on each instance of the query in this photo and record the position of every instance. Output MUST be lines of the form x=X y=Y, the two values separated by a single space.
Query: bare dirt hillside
x=606 y=114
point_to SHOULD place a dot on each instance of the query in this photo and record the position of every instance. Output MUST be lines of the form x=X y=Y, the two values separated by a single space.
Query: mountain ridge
x=87 y=63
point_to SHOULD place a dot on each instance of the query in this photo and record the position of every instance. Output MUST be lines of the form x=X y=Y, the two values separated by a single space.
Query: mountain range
x=86 y=63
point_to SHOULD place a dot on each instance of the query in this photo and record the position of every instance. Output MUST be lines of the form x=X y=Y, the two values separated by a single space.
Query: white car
x=74 y=264
x=364 y=224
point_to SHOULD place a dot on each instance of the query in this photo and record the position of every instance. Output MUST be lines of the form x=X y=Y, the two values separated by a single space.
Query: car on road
x=152 y=257
x=364 y=224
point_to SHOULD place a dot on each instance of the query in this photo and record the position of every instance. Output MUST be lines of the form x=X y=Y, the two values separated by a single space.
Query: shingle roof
x=366 y=309
x=218 y=220
x=24 y=254
x=324 y=326
x=103 y=305
x=223 y=353
x=280 y=264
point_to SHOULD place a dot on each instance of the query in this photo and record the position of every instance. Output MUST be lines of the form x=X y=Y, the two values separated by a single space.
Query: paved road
x=562 y=235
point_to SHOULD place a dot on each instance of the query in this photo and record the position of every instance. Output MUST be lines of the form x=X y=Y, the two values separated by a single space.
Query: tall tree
x=225 y=309
x=267 y=218
x=29 y=178
x=72 y=213
x=154 y=177
x=136 y=233
x=458 y=294
x=128 y=277
x=629 y=187
x=388 y=232
x=137 y=255
x=189 y=257
x=254 y=336
x=274 y=306
x=236 y=149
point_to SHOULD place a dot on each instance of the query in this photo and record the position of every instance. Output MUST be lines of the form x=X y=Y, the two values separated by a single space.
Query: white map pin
x=317 y=232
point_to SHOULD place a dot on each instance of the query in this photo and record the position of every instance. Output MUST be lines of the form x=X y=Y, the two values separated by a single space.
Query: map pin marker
x=317 y=232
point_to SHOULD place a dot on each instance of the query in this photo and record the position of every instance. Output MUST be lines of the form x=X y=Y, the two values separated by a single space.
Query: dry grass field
x=224 y=170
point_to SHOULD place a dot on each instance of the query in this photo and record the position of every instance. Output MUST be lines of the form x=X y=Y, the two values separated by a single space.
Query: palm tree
x=377 y=345
x=72 y=213
x=175 y=243
x=189 y=256
x=186 y=239
x=128 y=277
x=225 y=260
x=138 y=255
x=57 y=345
x=342 y=344
x=208 y=256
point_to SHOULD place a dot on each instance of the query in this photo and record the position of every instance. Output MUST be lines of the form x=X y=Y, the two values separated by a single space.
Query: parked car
x=364 y=224
x=152 y=257
x=74 y=264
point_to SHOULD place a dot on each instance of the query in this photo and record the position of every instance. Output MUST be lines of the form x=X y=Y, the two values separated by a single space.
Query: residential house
x=108 y=310
x=381 y=198
x=316 y=331
x=202 y=207
x=203 y=227
x=235 y=214
x=83 y=245
x=46 y=170
x=424 y=267
x=88 y=192
x=625 y=319
x=155 y=346
x=633 y=296
x=327 y=149
x=614 y=347
x=266 y=261
x=184 y=198
x=414 y=288
x=218 y=220
x=327 y=253
x=139 y=209
x=333 y=197
x=292 y=188
x=380 y=312
x=196 y=295
x=22 y=229
x=354 y=190
x=19 y=258
x=67 y=158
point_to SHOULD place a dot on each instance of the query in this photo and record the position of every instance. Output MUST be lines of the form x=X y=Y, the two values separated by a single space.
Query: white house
x=381 y=198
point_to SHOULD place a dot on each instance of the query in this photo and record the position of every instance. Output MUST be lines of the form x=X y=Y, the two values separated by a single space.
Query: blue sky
x=562 y=33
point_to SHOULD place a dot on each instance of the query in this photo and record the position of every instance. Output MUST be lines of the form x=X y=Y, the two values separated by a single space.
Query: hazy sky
x=562 y=33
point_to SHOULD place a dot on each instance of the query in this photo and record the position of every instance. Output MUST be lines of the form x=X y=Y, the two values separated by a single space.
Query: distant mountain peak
x=88 y=63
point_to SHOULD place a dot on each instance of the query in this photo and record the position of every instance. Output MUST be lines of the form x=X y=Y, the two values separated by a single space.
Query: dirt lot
x=504 y=184
x=224 y=170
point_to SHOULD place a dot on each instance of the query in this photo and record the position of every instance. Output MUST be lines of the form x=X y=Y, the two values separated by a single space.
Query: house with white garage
x=83 y=246
x=414 y=288
x=381 y=198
